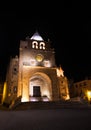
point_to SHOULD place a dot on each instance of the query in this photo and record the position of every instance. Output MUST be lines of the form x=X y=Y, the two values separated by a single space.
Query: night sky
x=69 y=29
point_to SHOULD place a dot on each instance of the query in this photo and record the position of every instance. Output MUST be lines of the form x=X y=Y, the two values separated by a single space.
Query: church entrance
x=36 y=91
x=40 y=88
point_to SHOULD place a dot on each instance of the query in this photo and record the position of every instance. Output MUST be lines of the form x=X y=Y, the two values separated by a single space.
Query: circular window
x=39 y=57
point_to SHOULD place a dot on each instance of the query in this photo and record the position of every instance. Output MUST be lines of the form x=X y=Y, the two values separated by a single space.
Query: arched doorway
x=40 y=87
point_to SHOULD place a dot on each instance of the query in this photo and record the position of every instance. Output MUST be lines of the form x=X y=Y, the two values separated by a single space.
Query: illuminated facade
x=82 y=89
x=36 y=76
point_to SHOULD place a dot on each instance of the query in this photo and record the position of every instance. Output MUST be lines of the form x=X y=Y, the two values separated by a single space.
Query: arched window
x=35 y=44
x=42 y=45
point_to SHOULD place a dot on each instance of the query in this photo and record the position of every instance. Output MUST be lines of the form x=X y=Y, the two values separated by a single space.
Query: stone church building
x=33 y=75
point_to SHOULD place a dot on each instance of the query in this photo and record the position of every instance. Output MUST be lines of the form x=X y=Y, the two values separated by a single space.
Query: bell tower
x=41 y=52
x=37 y=69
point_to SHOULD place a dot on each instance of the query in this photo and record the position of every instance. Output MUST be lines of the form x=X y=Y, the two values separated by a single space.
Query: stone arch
x=44 y=82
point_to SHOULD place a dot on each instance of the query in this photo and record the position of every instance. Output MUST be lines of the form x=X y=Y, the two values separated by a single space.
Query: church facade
x=33 y=75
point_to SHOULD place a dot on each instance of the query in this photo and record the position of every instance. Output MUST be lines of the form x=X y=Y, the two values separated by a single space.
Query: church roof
x=36 y=36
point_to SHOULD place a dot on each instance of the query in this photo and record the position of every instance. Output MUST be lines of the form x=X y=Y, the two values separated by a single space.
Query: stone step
x=48 y=105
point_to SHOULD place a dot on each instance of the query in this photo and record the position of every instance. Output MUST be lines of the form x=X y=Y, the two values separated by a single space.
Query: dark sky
x=67 y=26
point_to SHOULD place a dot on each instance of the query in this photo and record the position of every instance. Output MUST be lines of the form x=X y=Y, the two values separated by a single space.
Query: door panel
x=36 y=91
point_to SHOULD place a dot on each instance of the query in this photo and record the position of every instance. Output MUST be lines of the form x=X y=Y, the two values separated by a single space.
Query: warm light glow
x=4 y=92
x=60 y=72
x=68 y=97
x=24 y=99
x=45 y=92
x=89 y=95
